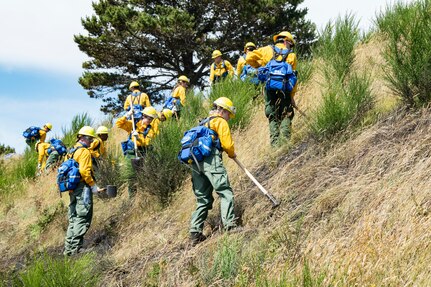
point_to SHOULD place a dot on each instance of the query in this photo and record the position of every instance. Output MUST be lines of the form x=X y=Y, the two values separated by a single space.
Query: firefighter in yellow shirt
x=278 y=106
x=136 y=97
x=42 y=154
x=220 y=69
x=249 y=47
x=81 y=198
x=213 y=175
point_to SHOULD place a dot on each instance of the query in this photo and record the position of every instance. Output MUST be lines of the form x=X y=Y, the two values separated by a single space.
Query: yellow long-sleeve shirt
x=141 y=99
x=180 y=93
x=218 y=70
x=144 y=135
x=221 y=127
x=97 y=148
x=42 y=134
x=42 y=153
x=240 y=66
x=83 y=156
x=260 y=57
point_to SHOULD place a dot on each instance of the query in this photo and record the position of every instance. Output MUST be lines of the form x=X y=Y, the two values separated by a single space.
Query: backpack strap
x=279 y=52
x=206 y=122
x=72 y=152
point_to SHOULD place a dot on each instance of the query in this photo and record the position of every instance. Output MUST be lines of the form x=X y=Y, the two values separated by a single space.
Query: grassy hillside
x=355 y=205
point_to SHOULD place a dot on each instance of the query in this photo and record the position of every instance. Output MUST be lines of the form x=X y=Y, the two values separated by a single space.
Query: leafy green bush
x=6 y=149
x=336 y=46
x=346 y=95
x=408 y=32
x=343 y=105
x=241 y=93
x=70 y=133
x=47 y=271
x=162 y=174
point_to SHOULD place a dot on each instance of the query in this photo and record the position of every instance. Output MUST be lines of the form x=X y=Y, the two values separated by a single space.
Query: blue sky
x=40 y=64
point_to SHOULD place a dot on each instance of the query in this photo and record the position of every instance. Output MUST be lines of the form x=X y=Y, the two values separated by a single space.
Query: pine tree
x=154 y=42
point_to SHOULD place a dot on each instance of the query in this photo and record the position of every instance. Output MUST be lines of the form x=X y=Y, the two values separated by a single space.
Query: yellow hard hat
x=216 y=54
x=87 y=131
x=184 y=79
x=286 y=35
x=150 y=111
x=102 y=130
x=167 y=113
x=226 y=104
x=48 y=125
x=133 y=84
x=249 y=44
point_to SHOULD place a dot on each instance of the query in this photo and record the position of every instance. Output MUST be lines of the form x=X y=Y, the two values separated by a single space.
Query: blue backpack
x=57 y=145
x=32 y=133
x=136 y=106
x=278 y=75
x=249 y=73
x=198 y=142
x=68 y=176
x=171 y=102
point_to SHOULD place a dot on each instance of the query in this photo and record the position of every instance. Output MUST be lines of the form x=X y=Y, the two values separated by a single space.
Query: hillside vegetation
x=353 y=184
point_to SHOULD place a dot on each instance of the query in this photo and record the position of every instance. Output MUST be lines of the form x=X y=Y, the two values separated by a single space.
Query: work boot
x=234 y=229
x=197 y=237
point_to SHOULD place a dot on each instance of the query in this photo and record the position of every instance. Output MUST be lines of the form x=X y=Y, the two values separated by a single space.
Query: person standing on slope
x=220 y=69
x=138 y=99
x=213 y=175
x=178 y=98
x=81 y=198
x=249 y=47
x=278 y=105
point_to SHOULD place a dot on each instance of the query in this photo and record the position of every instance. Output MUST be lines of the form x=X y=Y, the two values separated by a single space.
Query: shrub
x=336 y=46
x=343 y=105
x=408 y=28
x=241 y=93
x=70 y=133
x=47 y=271
x=346 y=95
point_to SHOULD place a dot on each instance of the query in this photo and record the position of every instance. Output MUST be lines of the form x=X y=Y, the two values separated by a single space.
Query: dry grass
x=357 y=211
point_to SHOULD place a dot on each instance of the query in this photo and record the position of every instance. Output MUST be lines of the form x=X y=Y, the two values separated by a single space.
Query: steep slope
x=354 y=211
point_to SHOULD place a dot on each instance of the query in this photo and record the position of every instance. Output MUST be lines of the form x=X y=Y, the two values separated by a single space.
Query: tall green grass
x=47 y=271
x=346 y=94
x=336 y=45
x=407 y=28
x=222 y=264
x=241 y=94
x=14 y=171
x=343 y=105
x=162 y=173
x=70 y=133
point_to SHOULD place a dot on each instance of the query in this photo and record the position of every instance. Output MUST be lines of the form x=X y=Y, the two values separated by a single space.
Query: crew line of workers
x=141 y=122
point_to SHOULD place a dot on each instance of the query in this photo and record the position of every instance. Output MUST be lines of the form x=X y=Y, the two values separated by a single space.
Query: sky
x=40 y=63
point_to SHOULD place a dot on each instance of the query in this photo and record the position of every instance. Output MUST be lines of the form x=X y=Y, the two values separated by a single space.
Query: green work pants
x=80 y=216
x=213 y=176
x=279 y=111
x=53 y=158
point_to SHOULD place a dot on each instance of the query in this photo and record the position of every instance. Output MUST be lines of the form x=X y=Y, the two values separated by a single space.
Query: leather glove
x=129 y=113
x=95 y=189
